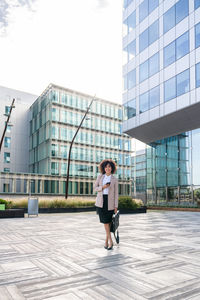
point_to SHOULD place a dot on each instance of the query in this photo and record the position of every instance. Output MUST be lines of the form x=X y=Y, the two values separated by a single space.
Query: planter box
x=193 y=209
x=12 y=213
x=85 y=209
x=142 y=209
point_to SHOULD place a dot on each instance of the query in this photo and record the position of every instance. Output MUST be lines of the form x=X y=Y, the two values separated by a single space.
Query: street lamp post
x=6 y=125
x=67 y=179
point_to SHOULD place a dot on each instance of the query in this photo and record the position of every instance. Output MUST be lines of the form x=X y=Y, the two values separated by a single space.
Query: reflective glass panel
x=143 y=10
x=152 y=5
x=169 y=19
x=197 y=35
x=182 y=10
x=129 y=23
x=183 y=82
x=170 y=89
x=169 y=54
x=131 y=49
x=144 y=71
x=143 y=40
x=6 y=157
x=131 y=79
x=196 y=4
x=182 y=45
x=154 y=97
x=197 y=75
x=131 y=108
x=7 y=141
x=153 y=32
x=144 y=102
x=154 y=64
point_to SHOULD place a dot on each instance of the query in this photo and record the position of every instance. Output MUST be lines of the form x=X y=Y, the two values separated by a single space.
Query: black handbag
x=114 y=226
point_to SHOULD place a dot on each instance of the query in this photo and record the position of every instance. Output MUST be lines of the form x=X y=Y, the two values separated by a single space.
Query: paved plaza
x=61 y=256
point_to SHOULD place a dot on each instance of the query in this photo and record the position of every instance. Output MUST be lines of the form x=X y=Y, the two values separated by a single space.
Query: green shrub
x=20 y=204
x=127 y=202
x=8 y=204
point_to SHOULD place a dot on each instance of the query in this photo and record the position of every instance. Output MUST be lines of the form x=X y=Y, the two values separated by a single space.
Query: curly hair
x=106 y=162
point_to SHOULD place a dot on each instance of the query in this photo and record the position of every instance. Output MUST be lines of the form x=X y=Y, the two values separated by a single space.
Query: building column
x=13 y=185
x=179 y=194
x=22 y=185
x=42 y=186
x=166 y=190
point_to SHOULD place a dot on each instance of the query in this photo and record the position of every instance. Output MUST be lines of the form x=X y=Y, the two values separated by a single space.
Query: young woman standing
x=106 y=187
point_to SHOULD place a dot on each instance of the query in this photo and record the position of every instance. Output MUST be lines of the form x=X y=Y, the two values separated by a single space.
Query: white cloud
x=70 y=43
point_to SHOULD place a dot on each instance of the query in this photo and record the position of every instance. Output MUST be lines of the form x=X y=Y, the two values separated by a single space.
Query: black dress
x=105 y=215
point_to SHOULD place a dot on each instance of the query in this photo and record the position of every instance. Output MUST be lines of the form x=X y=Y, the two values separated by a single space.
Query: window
x=7 y=110
x=176 y=49
x=143 y=10
x=7 y=142
x=149 y=67
x=169 y=54
x=196 y=4
x=55 y=114
x=149 y=36
x=6 y=170
x=144 y=71
x=183 y=82
x=8 y=129
x=154 y=64
x=197 y=75
x=169 y=19
x=129 y=23
x=144 y=102
x=129 y=52
x=182 y=45
x=126 y=3
x=54 y=168
x=130 y=109
x=146 y=7
x=154 y=97
x=170 y=89
x=152 y=5
x=153 y=32
x=6 y=157
x=182 y=10
x=197 y=35
x=130 y=80
x=143 y=40
x=176 y=86
x=175 y=14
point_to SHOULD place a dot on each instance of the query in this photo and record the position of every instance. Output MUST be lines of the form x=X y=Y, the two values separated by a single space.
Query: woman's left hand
x=115 y=210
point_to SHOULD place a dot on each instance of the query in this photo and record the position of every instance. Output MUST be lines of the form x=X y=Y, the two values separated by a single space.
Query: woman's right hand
x=105 y=186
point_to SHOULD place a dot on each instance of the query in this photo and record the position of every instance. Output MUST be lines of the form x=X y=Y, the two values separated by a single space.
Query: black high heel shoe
x=110 y=248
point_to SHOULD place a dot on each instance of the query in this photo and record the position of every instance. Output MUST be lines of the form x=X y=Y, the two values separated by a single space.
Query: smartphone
x=107 y=182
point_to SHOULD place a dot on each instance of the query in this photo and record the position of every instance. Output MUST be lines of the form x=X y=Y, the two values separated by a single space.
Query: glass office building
x=161 y=97
x=55 y=117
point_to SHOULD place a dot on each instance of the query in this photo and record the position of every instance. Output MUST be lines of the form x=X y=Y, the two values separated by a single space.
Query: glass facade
x=168 y=171
x=150 y=99
x=55 y=117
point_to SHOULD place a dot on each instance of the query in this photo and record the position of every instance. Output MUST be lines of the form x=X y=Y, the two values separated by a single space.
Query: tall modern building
x=161 y=71
x=14 y=156
x=55 y=117
x=34 y=155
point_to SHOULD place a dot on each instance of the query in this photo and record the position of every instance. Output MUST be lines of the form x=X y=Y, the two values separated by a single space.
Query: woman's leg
x=106 y=242
x=108 y=234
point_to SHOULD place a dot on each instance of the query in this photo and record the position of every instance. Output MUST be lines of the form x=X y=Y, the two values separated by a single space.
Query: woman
x=106 y=187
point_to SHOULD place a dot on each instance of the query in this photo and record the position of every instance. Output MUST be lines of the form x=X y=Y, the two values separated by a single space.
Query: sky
x=76 y=44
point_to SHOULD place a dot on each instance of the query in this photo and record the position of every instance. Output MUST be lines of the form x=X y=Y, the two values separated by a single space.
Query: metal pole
x=6 y=125
x=67 y=179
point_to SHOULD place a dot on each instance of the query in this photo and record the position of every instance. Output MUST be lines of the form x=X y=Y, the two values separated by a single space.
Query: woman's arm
x=116 y=195
x=97 y=187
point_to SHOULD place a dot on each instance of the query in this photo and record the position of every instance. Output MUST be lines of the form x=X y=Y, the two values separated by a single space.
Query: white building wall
x=19 y=148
